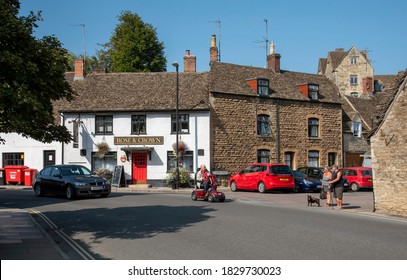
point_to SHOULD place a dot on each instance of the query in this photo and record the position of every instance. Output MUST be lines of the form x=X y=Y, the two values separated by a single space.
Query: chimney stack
x=79 y=70
x=273 y=59
x=214 y=53
x=189 y=62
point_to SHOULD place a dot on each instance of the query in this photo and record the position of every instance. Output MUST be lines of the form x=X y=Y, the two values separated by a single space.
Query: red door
x=140 y=168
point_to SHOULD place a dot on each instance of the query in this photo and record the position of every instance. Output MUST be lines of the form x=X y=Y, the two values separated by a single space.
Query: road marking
x=74 y=245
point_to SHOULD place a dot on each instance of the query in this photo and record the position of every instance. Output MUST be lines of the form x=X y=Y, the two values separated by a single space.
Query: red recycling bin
x=15 y=174
x=29 y=174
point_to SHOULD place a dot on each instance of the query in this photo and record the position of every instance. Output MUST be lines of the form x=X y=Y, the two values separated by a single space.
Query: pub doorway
x=139 y=166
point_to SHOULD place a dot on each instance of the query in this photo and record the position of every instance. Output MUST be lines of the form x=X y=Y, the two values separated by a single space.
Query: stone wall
x=389 y=160
x=362 y=69
x=234 y=130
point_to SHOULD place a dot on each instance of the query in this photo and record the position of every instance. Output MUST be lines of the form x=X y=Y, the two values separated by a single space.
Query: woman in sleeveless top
x=326 y=177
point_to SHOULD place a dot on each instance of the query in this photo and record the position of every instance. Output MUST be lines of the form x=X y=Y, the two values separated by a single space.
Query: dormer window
x=310 y=90
x=313 y=92
x=356 y=128
x=263 y=87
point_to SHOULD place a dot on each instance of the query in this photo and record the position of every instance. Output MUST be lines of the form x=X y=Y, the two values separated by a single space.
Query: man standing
x=337 y=184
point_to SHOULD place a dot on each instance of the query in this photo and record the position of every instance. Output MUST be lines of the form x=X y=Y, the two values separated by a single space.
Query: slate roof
x=124 y=92
x=365 y=107
x=232 y=79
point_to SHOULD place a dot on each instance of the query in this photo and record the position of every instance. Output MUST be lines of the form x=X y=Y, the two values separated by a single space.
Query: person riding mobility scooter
x=206 y=187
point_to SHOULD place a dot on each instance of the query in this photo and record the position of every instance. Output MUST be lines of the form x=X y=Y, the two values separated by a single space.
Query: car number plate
x=96 y=188
x=283 y=179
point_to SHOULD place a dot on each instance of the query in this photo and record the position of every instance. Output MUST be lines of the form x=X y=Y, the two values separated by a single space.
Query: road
x=149 y=226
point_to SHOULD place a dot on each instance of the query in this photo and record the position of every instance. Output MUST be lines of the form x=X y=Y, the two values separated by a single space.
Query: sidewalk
x=21 y=238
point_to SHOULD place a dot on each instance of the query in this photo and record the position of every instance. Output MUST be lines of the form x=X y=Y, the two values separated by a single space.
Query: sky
x=302 y=31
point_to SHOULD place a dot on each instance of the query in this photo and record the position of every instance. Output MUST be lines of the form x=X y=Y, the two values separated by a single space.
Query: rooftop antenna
x=84 y=37
x=219 y=30
x=266 y=39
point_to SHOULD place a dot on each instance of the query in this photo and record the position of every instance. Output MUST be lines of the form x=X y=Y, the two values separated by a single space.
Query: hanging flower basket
x=103 y=149
x=182 y=148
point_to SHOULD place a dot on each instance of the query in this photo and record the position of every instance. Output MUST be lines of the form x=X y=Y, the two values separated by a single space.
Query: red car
x=263 y=177
x=358 y=177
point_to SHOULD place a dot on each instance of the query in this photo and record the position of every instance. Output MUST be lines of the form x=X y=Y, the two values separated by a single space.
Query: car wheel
x=211 y=198
x=261 y=187
x=70 y=192
x=354 y=187
x=38 y=190
x=233 y=186
x=194 y=196
x=296 y=189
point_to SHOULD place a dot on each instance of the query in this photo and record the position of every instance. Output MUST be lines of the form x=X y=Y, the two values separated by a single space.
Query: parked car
x=263 y=177
x=304 y=183
x=70 y=180
x=314 y=172
x=358 y=177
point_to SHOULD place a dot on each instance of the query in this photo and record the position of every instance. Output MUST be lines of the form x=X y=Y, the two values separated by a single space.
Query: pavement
x=22 y=238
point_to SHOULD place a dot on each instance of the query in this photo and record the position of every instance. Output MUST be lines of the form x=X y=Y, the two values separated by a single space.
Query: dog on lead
x=312 y=200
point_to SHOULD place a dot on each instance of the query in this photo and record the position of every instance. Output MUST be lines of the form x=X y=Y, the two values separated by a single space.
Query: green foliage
x=134 y=47
x=31 y=77
x=184 y=178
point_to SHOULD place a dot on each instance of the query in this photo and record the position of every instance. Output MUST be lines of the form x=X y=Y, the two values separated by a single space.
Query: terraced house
x=229 y=116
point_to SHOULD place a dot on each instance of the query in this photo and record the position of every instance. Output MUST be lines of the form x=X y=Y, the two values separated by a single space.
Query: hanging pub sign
x=153 y=140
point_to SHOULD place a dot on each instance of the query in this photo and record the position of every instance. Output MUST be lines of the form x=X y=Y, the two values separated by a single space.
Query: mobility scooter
x=212 y=194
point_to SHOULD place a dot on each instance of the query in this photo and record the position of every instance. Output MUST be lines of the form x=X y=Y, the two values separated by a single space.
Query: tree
x=134 y=47
x=31 y=77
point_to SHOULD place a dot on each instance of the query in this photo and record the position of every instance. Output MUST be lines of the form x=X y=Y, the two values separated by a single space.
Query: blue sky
x=303 y=31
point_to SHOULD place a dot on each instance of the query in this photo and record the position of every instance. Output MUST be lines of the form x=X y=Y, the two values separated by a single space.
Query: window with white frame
x=353 y=60
x=354 y=94
x=289 y=159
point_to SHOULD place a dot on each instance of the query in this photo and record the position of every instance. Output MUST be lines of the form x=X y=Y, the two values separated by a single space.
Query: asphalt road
x=148 y=226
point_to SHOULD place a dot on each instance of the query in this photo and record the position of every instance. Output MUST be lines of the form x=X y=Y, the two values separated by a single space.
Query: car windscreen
x=74 y=171
x=299 y=174
x=281 y=169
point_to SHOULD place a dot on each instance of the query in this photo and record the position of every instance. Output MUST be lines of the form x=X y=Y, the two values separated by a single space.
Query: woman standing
x=326 y=177
x=337 y=185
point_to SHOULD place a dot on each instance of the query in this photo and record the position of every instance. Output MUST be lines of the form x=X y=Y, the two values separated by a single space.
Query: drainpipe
x=62 y=143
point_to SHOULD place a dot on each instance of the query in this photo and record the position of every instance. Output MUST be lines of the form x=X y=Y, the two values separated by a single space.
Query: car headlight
x=106 y=183
x=307 y=182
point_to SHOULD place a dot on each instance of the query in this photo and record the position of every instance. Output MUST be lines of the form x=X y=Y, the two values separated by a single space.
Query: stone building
x=389 y=155
x=351 y=71
x=272 y=115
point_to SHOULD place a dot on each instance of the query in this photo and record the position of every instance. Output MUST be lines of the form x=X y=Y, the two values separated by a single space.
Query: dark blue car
x=303 y=183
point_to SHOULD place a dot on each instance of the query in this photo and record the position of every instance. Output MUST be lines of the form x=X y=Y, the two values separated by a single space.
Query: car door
x=242 y=179
x=56 y=184
x=253 y=177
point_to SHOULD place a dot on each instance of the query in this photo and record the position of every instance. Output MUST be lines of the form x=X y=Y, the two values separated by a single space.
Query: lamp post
x=175 y=64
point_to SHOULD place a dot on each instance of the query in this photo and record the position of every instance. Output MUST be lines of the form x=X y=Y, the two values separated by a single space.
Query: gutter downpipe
x=62 y=143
